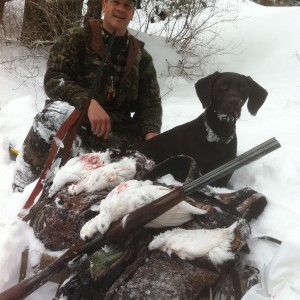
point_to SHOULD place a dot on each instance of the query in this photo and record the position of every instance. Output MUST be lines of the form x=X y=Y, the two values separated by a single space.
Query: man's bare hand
x=100 y=121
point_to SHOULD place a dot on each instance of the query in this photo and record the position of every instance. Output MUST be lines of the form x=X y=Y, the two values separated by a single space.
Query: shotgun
x=136 y=219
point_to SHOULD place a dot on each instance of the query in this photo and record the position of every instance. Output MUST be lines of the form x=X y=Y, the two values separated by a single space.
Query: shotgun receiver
x=136 y=219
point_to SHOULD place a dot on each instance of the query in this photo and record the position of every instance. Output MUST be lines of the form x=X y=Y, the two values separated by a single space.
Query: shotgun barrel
x=236 y=163
x=136 y=219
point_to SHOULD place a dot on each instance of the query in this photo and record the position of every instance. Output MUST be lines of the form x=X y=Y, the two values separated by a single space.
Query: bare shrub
x=45 y=20
x=278 y=2
x=190 y=26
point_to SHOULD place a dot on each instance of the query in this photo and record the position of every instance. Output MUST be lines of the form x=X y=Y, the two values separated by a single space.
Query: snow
x=279 y=277
x=267 y=49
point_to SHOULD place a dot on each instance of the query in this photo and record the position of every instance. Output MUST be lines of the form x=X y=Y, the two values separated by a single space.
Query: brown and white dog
x=211 y=138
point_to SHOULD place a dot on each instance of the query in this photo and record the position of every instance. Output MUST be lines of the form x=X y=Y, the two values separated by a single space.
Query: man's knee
x=35 y=151
x=37 y=143
x=49 y=120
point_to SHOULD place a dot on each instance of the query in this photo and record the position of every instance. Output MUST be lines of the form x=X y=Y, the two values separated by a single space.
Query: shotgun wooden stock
x=116 y=231
x=134 y=220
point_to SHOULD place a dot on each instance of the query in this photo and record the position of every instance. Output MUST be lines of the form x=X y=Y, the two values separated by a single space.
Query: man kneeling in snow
x=126 y=107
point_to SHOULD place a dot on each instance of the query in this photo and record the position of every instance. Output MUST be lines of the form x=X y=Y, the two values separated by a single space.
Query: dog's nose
x=234 y=103
x=233 y=106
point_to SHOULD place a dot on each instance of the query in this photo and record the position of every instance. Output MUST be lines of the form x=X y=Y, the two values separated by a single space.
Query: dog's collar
x=213 y=137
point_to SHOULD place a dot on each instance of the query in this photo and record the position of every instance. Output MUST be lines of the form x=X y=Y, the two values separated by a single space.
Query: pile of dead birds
x=191 y=252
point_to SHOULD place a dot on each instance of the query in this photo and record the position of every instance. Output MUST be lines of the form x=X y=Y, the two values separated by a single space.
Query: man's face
x=117 y=15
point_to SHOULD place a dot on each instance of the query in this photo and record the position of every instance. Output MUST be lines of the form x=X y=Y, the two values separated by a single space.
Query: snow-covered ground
x=269 y=51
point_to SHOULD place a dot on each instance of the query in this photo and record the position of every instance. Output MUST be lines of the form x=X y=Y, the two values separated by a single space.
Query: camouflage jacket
x=72 y=66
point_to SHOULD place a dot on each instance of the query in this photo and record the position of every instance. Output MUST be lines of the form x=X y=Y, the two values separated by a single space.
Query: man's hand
x=100 y=121
x=150 y=135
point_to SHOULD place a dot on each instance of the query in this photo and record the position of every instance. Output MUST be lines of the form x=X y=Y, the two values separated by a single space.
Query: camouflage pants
x=34 y=153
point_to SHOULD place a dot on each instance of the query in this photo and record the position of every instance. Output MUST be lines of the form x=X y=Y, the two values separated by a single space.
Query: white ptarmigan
x=93 y=172
x=214 y=244
x=129 y=196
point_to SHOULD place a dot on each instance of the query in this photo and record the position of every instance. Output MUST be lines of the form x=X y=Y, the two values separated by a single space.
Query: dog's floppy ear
x=257 y=96
x=204 y=89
